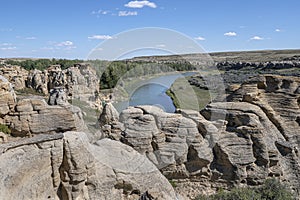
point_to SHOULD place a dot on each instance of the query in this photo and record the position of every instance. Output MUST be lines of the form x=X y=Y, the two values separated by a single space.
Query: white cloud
x=277 y=30
x=8 y=48
x=256 y=38
x=127 y=13
x=30 y=38
x=200 y=38
x=65 y=44
x=100 y=12
x=230 y=34
x=100 y=37
x=47 y=48
x=6 y=44
x=140 y=4
x=161 y=45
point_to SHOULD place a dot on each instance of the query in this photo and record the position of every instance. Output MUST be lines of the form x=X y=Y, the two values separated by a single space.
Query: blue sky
x=71 y=29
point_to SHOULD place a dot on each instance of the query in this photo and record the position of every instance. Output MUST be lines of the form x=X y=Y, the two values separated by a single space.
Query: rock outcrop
x=7 y=97
x=33 y=115
x=79 y=82
x=67 y=166
x=242 y=142
x=15 y=75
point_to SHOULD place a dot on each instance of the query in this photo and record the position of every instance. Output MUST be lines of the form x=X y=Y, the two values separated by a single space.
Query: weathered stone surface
x=7 y=97
x=67 y=166
x=237 y=143
x=57 y=97
x=109 y=114
x=15 y=75
x=3 y=137
x=79 y=82
x=35 y=116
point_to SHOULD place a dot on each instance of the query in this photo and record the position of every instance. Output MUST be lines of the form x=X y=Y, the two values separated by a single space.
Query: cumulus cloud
x=277 y=30
x=256 y=38
x=140 y=4
x=127 y=13
x=100 y=37
x=230 y=34
x=200 y=38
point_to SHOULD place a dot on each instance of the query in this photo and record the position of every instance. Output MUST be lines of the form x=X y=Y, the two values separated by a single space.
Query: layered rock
x=34 y=116
x=67 y=166
x=7 y=97
x=15 y=75
x=80 y=81
x=237 y=143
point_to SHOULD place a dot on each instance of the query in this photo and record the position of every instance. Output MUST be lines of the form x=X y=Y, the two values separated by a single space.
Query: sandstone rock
x=3 y=137
x=7 y=97
x=15 y=75
x=237 y=143
x=67 y=166
x=79 y=82
x=109 y=114
x=57 y=97
x=34 y=116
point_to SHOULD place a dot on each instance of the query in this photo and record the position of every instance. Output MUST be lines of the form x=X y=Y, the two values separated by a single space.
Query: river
x=153 y=92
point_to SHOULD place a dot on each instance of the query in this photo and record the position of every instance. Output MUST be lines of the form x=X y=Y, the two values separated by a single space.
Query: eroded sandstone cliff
x=242 y=142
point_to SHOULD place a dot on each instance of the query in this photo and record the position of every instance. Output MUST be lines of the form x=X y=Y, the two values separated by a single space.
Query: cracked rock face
x=67 y=166
x=253 y=137
x=80 y=81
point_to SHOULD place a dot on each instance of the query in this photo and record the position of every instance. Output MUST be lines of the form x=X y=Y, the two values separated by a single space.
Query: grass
x=186 y=96
x=272 y=189
x=91 y=115
x=28 y=92
x=5 y=129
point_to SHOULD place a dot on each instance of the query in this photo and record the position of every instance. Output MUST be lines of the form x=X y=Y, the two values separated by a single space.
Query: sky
x=72 y=28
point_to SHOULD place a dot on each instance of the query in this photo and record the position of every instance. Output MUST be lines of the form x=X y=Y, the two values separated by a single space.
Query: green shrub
x=5 y=129
x=272 y=189
x=173 y=183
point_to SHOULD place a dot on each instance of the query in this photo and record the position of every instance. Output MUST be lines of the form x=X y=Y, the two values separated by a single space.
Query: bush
x=5 y=129
x=270 y=190
x=273 y=189
x=173 y=183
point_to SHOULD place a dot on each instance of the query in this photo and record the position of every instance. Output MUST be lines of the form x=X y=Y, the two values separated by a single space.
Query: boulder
x=67 y=166
x=7 y=97
x=15 y=75
x=3 y=137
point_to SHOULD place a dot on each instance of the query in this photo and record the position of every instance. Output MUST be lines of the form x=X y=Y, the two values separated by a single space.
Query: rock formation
x=67 y=166
x=80 y=82
x=252 y=136
x=33 y=115
x=7 y=97
x=15 y=75
x=242 y=142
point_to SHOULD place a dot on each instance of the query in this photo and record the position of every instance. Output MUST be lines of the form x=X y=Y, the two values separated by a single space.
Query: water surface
x=153 y=92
